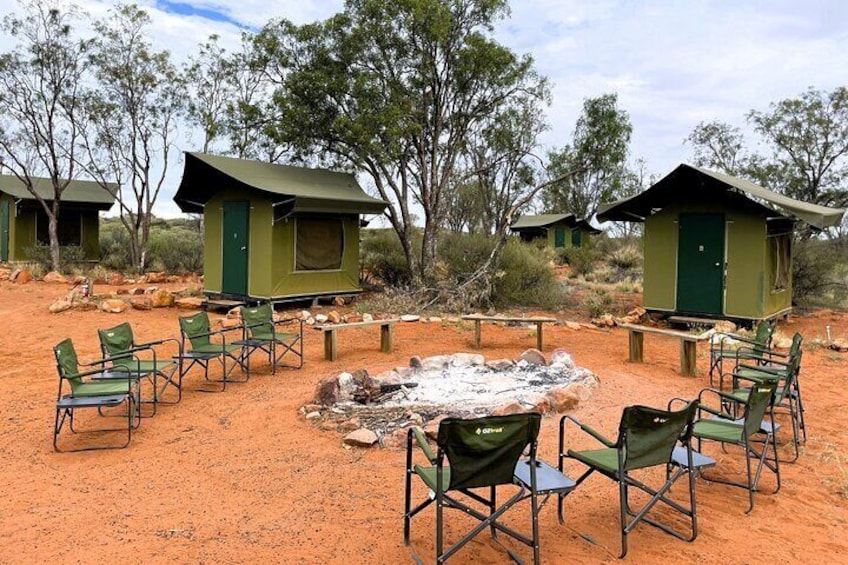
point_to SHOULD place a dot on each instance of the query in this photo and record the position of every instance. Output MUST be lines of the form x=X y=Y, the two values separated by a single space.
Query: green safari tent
x=559 y=230
x=273 y=232
x=23 y=221
x=717 y=245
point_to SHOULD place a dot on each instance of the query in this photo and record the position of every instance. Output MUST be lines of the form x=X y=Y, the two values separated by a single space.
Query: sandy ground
x=242 y=477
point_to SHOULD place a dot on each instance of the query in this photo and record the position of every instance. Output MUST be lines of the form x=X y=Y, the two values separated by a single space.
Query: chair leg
x=623 y=506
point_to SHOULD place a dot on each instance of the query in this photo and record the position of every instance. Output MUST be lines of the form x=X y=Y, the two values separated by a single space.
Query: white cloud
x=673 y=63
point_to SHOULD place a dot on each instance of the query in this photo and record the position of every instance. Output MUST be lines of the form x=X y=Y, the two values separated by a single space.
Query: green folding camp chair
x=482 y=453
x=647 y=437
x=195 y=331
x=116 y=388
x=787 y=396
x=748 y=432
x=119 y=346
x=261 y=334
x=723 y=347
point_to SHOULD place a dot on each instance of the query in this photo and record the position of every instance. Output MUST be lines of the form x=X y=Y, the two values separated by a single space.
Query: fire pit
x=378 y=408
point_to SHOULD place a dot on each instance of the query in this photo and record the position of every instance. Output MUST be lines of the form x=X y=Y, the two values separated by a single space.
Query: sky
x=673 y=63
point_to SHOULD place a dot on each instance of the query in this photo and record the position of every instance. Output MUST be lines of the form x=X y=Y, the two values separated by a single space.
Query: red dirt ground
x=242 y=477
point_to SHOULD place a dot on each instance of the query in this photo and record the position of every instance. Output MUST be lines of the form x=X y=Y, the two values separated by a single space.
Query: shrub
x=39 y=257
x=819 y=274
x=525 y=277
x=381 y=256
x=176 y=250
x=580 y=259
x=627 y=258
x=598 y=302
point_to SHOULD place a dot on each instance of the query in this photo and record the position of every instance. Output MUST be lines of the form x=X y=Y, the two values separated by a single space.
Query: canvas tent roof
x=299 y=189
x=543 y=220
x=691 y=178
x=78 y=191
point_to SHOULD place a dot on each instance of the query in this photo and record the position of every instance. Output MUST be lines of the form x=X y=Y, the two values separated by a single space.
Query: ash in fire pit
x=462 y=384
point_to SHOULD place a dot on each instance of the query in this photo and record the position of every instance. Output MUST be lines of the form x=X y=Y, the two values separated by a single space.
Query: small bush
x=819 y=274
x=525 y=278
x=627 y=258
x=176 y=250
x=39 y=257
x=598 y=302
x=114 y=246
x=580 y=259
x=381 y=256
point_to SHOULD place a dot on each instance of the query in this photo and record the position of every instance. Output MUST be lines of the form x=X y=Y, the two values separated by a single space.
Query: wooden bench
x=330 y=347
x=688 y=345
x=477 y=319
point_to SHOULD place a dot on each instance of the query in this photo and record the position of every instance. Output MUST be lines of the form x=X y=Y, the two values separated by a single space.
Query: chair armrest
x=287 y=321
x=775 y=371
x=94 y=372
x=722 y=395
x=587 y=429
x=151 y=344
x=421 y=440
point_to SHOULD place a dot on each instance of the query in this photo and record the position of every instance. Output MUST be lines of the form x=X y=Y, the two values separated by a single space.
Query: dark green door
x=4 y=230
x=700 y=264
x=235 y=251
x=576 y=238
x=559 y=237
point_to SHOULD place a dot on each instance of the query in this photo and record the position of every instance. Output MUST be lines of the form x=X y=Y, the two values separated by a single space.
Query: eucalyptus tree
x=135 y=109
x=394 y=89
x=209 y=80
x=42 y=105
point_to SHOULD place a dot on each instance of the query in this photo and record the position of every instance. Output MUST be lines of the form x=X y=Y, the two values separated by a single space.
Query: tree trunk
x=53 y=232
x=428 y=251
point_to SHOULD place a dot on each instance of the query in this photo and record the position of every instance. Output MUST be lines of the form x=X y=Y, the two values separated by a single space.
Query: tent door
x=700 y=263
x=559 y=237
x=4 y=230
x=235 y=247
x=576 y=237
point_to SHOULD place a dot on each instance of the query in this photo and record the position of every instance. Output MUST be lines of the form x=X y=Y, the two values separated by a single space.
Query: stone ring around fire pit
x=379 y=409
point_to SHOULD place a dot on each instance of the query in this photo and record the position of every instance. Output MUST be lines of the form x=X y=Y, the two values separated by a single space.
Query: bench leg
x=636 y=346
x=330 y=352
x=477 y=334
x=386 y=338
x=688 y=350
x=539 y=336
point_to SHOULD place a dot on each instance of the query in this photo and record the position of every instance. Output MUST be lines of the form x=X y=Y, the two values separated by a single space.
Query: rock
x=334 y=317
x=466 y=359
x=122 y=291
x=339 y=301
x=409 y=318
x=316 y=415
x=453 y=320
x=189 y=303
x=304 y=315
x=307 y=408
x=363 y=437
x=435 y=320
x=638 y=312
x=136 y=291
x=54 y=277
x=350 y=425
x=388 y=378
x=86 y=304
x=542 y=406
x=507 y=409
x=23 y=277
x=431 y=428
x=234 y=313
x=116 y=279
x=347 y=386
x=162 y=299
x=416 y=362
x=582 y=392
x=605 y=321
x=590 y=379
x=435 y=362
x=113 y=306
x=141 y=302
x=310 y=321
x=352 y=318
x=328 y=426
x=839 y=345
x=327 y=391
x=627 y=320
x=60 y=306
x=151 y=289
x=572 y=325
x=725 y=327
x=367 y=317
x=534 y=357
x=14 y=275
x=395 y=440
x=501 y=364
x=321 y=318
x=781 y=341
x=155 y=278
x=562 y=358
x=562 y=399
x=228 y=323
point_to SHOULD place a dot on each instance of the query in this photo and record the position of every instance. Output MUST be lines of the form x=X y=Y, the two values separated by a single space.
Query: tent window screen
x=319 y=245
x=780 y=261
x=69 y=228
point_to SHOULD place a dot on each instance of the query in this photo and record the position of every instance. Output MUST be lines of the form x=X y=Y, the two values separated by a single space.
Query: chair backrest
x=196 y=328
x=117 y=340
x=760 y=397
x=484 y=451
x=764 y=332
x=648 y=435
x=259 y=317
x=793 y=366
x=67 y=361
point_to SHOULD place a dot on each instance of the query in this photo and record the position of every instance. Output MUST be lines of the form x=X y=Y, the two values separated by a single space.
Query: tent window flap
x=780 y=261
x=319 y=244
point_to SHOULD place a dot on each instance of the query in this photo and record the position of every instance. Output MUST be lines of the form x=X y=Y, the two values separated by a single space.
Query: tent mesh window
x=780 y=261
x=319 y=244
x=69 y=229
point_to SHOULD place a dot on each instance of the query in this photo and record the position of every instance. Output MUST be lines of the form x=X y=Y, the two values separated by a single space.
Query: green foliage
x=598 y=302
x=176 y=246
x=819 y=274
x=39 y=255
x=627 y=258
x=581 y=259
x=382 y=257
x=525 y=278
